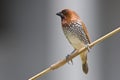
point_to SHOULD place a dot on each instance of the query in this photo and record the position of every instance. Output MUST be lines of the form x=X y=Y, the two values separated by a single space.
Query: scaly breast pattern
x=75 y=35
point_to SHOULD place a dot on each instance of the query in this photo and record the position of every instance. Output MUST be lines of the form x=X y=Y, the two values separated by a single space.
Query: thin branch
x=76 y=53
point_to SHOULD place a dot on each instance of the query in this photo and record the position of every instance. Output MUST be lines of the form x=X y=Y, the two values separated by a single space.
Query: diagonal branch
x=76 y=53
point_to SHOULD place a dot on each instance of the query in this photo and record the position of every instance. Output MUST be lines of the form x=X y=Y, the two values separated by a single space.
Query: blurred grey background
x=31 y=39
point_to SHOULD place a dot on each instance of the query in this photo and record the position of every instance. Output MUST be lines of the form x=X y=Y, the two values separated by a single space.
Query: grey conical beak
x=60 y=14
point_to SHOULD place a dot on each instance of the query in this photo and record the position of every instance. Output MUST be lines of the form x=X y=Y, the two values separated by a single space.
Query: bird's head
x=67 y=14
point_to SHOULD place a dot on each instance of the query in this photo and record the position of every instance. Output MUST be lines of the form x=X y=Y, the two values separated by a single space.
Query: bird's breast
x=75 y=41
x=73 y=38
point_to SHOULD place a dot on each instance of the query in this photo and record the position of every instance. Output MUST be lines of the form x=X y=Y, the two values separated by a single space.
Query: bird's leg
x=88 y=48
x=68 y=56
x=67 y=59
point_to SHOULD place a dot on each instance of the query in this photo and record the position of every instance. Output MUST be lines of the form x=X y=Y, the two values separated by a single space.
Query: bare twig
x=76 y=53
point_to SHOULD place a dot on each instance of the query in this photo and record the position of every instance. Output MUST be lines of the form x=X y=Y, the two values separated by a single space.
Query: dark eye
x=64 y=11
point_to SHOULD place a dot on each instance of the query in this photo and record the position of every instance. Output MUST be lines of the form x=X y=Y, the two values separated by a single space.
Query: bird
x=76 y=33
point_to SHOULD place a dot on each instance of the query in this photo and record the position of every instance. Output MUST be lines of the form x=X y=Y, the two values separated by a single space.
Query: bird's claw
x=88 y=48
x=68 y=56
x=67 y=59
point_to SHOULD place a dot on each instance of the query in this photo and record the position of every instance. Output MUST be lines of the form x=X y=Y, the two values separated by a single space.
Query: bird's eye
x=64 y=12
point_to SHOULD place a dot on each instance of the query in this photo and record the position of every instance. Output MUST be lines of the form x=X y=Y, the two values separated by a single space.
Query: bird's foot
x=88 y=48
x=68 y=57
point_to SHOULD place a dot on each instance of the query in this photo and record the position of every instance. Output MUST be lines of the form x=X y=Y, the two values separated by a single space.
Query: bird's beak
x=60 y=14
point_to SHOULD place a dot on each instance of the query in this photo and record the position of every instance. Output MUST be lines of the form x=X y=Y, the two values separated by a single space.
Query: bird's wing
x=85 y=30
x=82 y=32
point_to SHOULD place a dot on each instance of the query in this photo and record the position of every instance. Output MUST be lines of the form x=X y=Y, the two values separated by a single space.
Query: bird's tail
x=84 y=62
x=85 y=67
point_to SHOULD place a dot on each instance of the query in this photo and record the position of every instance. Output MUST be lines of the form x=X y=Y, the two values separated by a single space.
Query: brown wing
x=85 y=30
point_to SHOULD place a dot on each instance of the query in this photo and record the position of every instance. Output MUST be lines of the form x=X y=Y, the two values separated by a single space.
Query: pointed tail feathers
x=85 y=67
x=84 y=62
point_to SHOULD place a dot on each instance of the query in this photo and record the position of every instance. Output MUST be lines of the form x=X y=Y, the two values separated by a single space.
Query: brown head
x=67 y=16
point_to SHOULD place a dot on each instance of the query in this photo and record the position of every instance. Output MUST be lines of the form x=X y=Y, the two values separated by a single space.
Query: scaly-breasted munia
x=76 y=33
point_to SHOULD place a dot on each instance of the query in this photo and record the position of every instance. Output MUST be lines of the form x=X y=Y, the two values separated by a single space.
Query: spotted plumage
x=76 y=33
x=75 y=29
